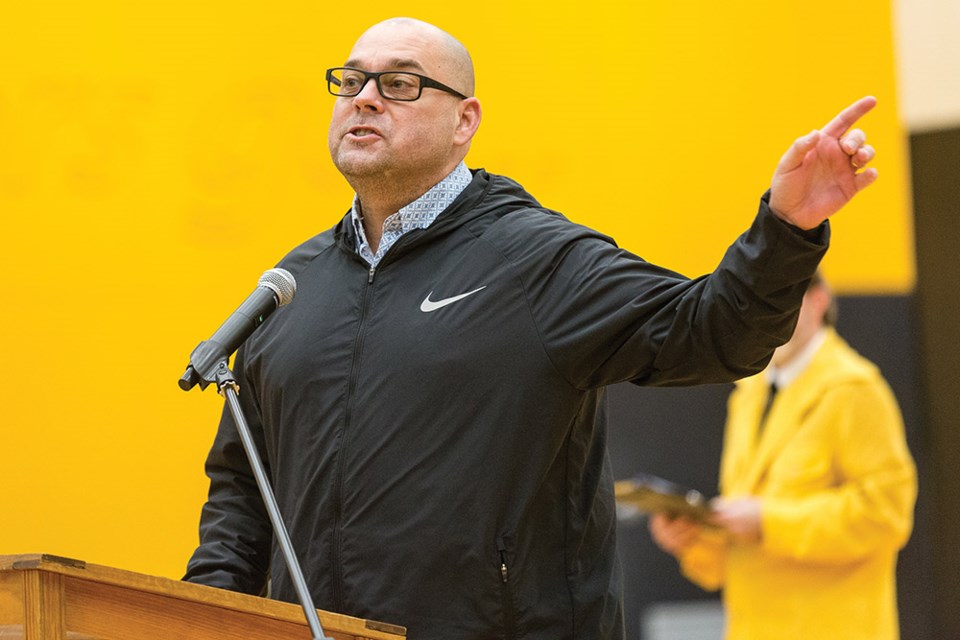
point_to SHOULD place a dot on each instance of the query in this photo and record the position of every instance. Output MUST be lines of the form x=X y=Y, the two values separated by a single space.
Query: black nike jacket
x=435 y=428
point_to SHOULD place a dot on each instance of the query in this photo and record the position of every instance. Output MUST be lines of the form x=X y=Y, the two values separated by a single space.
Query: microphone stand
x=227 y=384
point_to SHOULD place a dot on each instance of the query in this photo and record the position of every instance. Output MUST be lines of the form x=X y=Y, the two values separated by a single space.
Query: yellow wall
x=157 y=157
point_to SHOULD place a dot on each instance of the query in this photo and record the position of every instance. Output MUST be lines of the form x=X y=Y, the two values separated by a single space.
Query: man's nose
x=369 y=96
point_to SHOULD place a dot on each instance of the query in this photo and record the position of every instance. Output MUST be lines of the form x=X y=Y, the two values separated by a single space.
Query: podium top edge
x=39 y=560
x=197 y=594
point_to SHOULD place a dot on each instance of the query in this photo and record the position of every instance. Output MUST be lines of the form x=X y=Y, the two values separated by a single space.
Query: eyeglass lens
x=395 y=85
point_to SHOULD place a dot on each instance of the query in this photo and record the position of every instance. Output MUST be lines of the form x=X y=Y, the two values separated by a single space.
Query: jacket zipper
x=338 y=500
x=509 y=621
x=338 y=587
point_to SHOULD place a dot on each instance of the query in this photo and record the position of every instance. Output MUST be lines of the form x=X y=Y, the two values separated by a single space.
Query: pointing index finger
x=846 y=118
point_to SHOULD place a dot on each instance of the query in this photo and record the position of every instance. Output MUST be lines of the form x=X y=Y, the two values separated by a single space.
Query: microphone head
x=281 y=282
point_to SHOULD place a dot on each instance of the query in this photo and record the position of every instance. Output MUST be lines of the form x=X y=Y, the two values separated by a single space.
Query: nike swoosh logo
x=429 y=305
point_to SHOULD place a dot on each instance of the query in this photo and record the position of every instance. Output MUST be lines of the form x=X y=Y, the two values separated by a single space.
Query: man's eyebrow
x=395 y=64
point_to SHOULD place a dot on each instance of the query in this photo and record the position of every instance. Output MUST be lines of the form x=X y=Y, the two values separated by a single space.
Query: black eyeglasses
x=392 y=85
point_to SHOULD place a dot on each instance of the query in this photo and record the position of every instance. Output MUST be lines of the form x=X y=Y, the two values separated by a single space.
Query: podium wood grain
x=44 y=597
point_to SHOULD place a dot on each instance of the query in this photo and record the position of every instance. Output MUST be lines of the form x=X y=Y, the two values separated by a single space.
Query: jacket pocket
x=506 y=594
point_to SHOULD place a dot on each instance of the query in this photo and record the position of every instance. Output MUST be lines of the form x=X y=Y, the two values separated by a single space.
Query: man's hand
x=673 y=535
x=741 y=517
x=823 y=170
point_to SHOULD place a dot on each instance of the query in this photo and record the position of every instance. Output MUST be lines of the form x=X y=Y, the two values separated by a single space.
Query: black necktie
x=771 y=396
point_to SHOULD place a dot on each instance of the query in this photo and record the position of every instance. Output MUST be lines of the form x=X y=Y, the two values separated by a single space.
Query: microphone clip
x=207 y=362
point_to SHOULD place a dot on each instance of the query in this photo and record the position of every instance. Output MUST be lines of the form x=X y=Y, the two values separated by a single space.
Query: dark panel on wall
x=935 y=158
x=677 y=434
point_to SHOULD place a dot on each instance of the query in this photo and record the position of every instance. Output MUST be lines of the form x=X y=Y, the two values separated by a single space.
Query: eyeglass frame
x=425 y=83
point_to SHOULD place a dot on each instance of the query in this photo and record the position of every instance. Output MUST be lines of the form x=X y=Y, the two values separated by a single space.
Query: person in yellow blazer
x=817 y=489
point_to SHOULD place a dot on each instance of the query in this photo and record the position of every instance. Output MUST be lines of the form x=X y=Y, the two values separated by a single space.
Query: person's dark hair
x=832 y=311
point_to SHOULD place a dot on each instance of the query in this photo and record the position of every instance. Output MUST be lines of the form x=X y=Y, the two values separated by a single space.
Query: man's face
x=372 y=138
x=815 y=303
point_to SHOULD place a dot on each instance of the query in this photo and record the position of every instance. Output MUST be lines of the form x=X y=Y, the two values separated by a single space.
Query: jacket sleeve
x=871 y=508
x=607 y=316
x=235 y=532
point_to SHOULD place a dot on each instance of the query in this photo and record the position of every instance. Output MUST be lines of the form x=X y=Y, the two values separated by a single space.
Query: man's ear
x=820 y=297
x=470 y=115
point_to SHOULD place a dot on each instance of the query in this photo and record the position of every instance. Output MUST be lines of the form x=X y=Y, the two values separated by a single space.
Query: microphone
x=208 y=363
x=275 y=288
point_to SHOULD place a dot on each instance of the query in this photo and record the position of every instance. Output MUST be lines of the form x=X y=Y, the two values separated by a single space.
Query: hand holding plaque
x=652 y=494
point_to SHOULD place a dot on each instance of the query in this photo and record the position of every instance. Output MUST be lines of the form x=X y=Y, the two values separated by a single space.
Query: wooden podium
x=45 y=597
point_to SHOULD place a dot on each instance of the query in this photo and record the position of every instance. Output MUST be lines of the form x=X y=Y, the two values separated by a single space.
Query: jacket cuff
x=819 y=235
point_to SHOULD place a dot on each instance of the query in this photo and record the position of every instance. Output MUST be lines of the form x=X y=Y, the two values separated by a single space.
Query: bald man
x=431 y=406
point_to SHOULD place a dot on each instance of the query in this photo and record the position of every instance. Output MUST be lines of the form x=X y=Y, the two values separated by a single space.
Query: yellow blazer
x=838 y=487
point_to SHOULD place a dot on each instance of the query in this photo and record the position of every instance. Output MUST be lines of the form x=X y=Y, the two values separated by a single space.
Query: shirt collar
x=419 y=214
x=783 y=376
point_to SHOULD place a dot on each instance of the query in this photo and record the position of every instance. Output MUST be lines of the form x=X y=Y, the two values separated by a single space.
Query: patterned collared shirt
x=419 y=214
